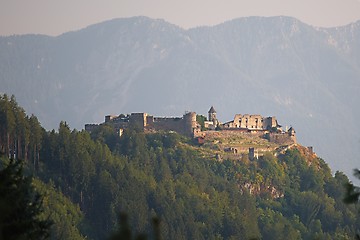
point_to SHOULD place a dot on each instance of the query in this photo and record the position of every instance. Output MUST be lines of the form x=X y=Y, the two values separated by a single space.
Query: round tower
x=190 y=122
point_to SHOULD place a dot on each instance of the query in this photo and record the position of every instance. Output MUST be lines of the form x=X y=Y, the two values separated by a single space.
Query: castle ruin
x=187 y=125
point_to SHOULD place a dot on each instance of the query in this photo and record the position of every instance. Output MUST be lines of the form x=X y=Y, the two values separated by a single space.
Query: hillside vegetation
x=164 y=175
x=276 y=66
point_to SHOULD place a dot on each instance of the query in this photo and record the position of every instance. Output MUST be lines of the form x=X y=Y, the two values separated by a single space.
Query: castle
x=188 y=125
x=185 y=125
x=245 y=122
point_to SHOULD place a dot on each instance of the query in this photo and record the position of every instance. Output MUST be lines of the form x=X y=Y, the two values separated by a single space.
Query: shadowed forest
x=78 y=184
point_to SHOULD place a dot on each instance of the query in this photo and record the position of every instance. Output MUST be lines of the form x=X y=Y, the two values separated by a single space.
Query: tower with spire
x=212 y=116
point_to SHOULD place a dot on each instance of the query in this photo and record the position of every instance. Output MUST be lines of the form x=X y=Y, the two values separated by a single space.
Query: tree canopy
x=163 y=175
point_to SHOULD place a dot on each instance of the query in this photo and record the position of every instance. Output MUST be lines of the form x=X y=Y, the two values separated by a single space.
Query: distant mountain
x=308 y=77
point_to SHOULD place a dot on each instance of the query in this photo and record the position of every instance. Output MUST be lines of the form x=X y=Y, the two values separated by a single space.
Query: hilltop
x=275 y=65
x=289 y=194
x=246 y=133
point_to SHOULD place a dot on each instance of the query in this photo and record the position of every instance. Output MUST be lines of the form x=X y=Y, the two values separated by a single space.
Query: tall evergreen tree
x=20 y=206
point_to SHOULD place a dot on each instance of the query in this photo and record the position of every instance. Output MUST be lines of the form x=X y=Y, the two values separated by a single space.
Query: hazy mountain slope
x=305 y=76
x=297 y=74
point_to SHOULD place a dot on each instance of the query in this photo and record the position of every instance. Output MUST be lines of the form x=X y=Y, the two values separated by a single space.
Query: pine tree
x=20 y=206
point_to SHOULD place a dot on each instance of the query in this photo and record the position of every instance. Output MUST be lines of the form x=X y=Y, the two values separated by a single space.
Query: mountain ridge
x=271 y=66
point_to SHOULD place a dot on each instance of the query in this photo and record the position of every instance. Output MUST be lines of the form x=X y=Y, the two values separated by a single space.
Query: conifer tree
x=20 y=206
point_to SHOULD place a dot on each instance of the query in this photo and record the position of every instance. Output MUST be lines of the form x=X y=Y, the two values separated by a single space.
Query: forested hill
x=265 y=65
x=163 y=174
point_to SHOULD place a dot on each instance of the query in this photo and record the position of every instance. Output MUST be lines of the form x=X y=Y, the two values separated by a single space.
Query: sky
x=53 y=17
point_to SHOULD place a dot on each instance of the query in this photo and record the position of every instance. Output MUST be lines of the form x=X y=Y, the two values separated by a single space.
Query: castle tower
x=212 y=115
x=138 y=120
x=292 y=134
x=190 y=123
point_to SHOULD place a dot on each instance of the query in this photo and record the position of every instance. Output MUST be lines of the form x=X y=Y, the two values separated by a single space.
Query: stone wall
x=227 y=133
x=252 y=125
x=138 y=120
x=252 y=122
x=281 y=138
x=185 y=125
x=248 y=121
x=167 y=124
x=270 y=122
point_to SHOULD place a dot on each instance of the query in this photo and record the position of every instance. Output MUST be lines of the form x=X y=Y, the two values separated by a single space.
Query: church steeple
x=212 y=115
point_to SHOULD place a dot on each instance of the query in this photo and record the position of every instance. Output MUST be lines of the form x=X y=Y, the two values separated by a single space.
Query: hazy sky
x=54 y=17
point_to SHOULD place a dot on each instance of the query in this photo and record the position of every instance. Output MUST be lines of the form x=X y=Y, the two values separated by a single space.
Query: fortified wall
x=255 y=125
x=283 y=138
x=185 y=125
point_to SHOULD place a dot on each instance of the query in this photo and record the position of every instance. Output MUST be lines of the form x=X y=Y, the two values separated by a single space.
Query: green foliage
x=352 y=192
x=65 y=216
x=20 y=206
x=124 y=232
x=91 y=178
x=275 y=226
x=20 y=135
x=106 y=135
x=201 y=120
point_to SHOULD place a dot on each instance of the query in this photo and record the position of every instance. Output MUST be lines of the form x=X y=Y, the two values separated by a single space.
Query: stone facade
x=282 y=138
x=252 y=122
x=187 y=125
x=212 y=116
